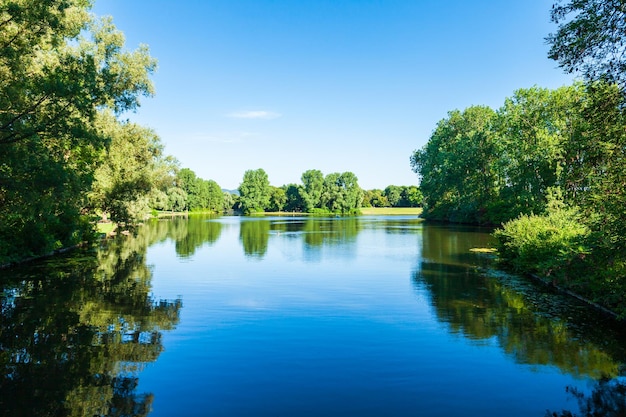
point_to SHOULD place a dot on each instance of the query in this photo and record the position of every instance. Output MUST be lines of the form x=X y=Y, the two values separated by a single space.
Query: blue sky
x=292 y=85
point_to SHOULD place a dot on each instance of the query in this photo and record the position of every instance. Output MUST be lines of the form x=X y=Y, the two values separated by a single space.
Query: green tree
x=590 y=38
x=313 y=186
x=394 y=195
x=294 y=199
x=277 y=199
x=215 y=197
x=535 y=125
x=228 y=201
x=255 y=191
x=177 y=199
x=412 y=195
x=187 y=181
x=126 y=176
x=341 y=193
x=457 y=166
x=59 y=68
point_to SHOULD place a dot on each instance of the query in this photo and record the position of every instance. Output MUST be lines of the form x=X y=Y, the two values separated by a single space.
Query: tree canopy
x=255 y=191
x=60 y=68
x=590 y=38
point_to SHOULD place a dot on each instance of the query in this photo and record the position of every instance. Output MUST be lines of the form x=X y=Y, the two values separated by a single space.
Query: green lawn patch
x=390 y=211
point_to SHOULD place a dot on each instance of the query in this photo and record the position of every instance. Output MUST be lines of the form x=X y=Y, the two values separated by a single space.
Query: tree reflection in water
x=75 y=332
x=608 y=399
x=526 y=323
x=532 y=327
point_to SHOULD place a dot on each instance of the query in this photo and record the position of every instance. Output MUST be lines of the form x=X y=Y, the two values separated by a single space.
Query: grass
x=105 y=227
x=386 y=211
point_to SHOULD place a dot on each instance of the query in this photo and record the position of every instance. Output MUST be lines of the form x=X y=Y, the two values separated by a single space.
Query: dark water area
x=283 y=316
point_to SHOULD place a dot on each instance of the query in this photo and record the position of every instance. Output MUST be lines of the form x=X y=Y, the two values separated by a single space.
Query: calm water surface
x=285 y=316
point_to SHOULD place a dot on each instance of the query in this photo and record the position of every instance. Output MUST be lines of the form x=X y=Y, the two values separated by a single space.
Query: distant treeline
x=318 y=193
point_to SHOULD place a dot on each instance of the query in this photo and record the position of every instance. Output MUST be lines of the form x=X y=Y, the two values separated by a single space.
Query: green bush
x=552 y=245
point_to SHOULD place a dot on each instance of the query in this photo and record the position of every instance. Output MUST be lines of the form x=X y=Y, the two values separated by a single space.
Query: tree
x=457 y=166
x=294 y=200
x=278 y=199
x=393 y=194
x=59 y=69
x=375 y=198
x=126 y=176
x=534 y=126
x=177 y=198
x=255 y=191
x=215 y=197
x=186 y=180
x=413 y=196
x=341 y=193
x=313 y=183
x=590 y=38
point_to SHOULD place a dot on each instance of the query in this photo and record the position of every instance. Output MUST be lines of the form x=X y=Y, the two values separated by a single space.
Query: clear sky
x=334 y=85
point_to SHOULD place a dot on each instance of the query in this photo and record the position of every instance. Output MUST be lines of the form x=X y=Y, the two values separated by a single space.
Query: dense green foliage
x=550 y=165
x=485 y=166
x=552 y=245
x=319 y=194
x=333 y=193
x=590 y=38
x=197 y=194
x=255 y=191
x=393 y=196
x=65 y=153
x=60 y=69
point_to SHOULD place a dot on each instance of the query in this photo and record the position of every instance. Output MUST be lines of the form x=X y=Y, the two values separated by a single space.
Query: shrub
x=553 y=244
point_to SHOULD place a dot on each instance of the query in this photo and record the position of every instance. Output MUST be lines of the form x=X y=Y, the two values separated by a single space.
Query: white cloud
x=255 y=114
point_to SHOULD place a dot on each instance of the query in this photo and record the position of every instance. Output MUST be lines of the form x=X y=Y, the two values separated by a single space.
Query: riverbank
x=391 y=211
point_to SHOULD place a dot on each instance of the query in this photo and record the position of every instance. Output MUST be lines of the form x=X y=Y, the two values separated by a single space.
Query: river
x=286 y=316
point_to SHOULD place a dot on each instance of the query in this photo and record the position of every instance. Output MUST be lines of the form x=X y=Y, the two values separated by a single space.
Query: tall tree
x=255 y=191
x=457 y=167
x=278 y=199
x=127 y=175
x=534 y=126
x=590 y=38
x=58 y=69
x=294 y=200
x=313 y=183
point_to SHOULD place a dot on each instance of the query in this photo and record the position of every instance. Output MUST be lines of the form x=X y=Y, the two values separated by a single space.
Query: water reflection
x=315 y=232
x=75 y=332
x=190 y=234
x=607 y=399
x=254 y=235
x=533 y=328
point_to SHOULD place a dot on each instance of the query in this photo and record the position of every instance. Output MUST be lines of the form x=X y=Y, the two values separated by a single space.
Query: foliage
x=551 y=245
x=126 y=176
x=312 y=188
x=200 y=194
x=341 y=193
x=590 y=38
x=59 y=68
x=294 y=198
x=487 y=167
x=457 y=167
x=278 y=198
x=255 y=191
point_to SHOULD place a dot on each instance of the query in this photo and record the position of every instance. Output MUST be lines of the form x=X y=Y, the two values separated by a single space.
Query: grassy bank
x=390 y=211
